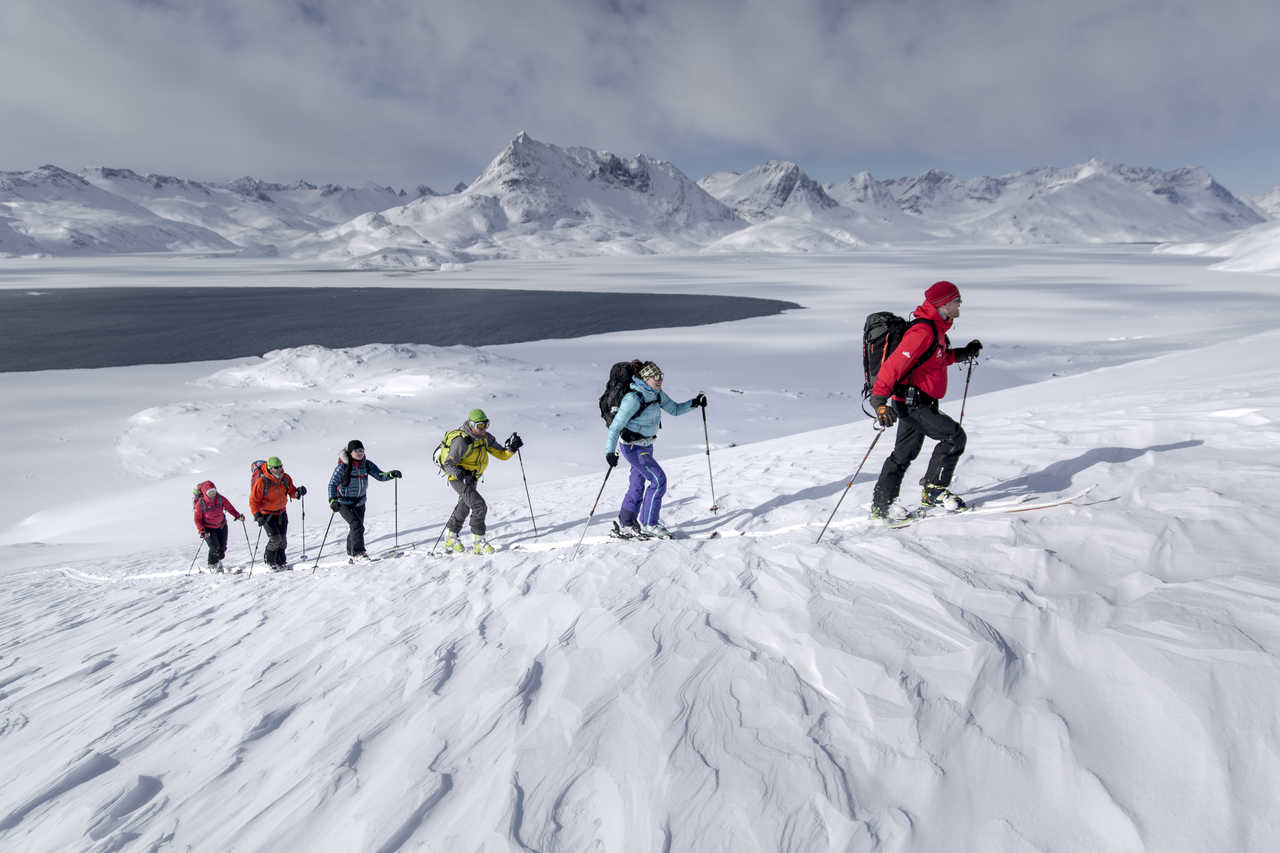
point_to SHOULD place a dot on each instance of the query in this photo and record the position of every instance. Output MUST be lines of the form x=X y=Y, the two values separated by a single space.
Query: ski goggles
x=651 y=373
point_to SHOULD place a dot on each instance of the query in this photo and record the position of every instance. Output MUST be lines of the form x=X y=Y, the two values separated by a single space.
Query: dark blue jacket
x=353 y=492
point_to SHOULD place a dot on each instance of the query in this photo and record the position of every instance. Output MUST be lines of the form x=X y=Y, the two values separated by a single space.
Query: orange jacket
x=270 y=494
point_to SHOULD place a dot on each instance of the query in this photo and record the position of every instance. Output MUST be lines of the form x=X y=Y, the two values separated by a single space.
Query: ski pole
x=193 y=559
x=245 y=528
x=966 y=390
x=438 y=538
x=593 y=512
x=304 y=527
x=395 y=487
x=254 y=558
x=527 y=495
x=322 y=541
x=707 y=440
x=879 y=433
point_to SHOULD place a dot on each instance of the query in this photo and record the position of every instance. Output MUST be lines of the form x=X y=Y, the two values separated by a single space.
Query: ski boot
x=655 y=531
x=452 y=543
x=627 y=531
x=482 y=546
x=889 y=514
x=943 y=498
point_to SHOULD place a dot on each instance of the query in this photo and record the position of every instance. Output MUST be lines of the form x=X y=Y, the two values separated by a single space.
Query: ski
x=924 y=514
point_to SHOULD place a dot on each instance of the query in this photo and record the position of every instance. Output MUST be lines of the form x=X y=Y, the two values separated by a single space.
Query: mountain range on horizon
x=538 y=200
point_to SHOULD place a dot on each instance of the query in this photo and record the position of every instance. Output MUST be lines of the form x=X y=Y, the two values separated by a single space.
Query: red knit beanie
x=940 y=293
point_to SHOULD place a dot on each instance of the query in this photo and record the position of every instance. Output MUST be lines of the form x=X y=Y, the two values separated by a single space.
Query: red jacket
x=269 y=494
x=931 y=376
x=209 y=515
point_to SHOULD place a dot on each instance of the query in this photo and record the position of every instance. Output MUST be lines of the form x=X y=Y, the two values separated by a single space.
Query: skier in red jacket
x=210 y=510
x=911 y=400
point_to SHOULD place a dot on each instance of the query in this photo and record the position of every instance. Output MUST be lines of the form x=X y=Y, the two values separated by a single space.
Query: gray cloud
x=404 y=92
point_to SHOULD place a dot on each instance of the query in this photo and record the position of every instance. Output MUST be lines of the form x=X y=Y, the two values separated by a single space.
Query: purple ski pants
x=641 y=504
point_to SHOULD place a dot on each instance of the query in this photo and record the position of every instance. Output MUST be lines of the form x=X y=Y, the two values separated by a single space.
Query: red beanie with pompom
x=940 y=293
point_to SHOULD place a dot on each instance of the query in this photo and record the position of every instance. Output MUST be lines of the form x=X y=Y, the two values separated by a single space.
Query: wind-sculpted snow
x=1099 y=676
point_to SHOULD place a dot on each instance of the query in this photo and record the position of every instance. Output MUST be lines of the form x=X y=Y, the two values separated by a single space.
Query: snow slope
x=1254 y=250
x=1096 y=677
x=51 y=210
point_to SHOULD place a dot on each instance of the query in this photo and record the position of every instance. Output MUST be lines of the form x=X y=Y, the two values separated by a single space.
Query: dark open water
x=114 y=326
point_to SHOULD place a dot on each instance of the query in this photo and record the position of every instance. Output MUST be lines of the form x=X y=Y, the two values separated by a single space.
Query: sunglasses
x=276 y=468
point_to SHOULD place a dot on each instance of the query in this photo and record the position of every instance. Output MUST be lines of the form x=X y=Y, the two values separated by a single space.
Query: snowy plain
x=1101 y=676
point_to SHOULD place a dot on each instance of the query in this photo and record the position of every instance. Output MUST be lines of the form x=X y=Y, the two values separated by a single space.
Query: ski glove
x=612 y=459
x=885 y=415
x=515 y=442
x=969 y=350
x=394 y=473
x=239 y=518
x=260 y=518
x=302 y=490
x=204 y=534
x=334 y=504
x=700 y=400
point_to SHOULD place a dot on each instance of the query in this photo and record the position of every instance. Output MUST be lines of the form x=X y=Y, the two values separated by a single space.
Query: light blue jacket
x=646 y=422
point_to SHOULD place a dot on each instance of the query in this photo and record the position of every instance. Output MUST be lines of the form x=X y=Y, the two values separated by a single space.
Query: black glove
x=969 y=350
x=515 y=442
x=260 y=518
x=239 y=518
x=612 y=459
x=700 y=400
x=334 y=504
x=302 y=490
x=885 y=414
x=204 y=534
x=394 y=473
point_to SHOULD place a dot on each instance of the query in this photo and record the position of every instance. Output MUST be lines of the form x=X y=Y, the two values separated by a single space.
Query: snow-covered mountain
x=1095 y=202
x=248 y=212
x=52 y=210
x=1268 y=205
x=538 y=200
x=768 y=191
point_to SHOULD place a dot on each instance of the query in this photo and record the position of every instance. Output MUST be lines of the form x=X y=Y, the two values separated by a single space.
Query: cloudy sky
x=405 y=92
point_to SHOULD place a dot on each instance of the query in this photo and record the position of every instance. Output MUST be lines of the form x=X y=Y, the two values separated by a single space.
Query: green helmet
x=477 y=416
x=274 y=462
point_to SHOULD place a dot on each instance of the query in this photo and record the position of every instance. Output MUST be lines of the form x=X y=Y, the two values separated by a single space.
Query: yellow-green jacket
x=469 y=452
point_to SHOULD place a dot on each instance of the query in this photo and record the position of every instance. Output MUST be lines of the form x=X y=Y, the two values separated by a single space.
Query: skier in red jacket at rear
x=911 y=401
x=210 y=510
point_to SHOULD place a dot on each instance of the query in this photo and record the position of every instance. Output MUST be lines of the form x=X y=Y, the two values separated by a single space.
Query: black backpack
x=618 y=386
x=881 y=335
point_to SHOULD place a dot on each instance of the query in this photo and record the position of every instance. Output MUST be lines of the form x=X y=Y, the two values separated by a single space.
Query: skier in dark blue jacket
x=347 y=488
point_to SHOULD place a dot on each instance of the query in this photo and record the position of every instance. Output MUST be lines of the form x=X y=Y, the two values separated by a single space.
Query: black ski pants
x=915 y=422
x=469 y=501
x=354 y=516
x=277 y=527
x=217 y=544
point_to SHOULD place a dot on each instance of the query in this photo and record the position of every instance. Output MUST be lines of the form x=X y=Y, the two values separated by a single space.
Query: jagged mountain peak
x=774 y=188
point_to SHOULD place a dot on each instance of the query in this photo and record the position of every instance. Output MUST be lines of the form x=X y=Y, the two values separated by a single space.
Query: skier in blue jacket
x=636 y=426
x=347 y=489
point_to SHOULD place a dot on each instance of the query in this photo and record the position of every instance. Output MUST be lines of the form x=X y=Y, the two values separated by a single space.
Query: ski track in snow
x=1099 y=676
